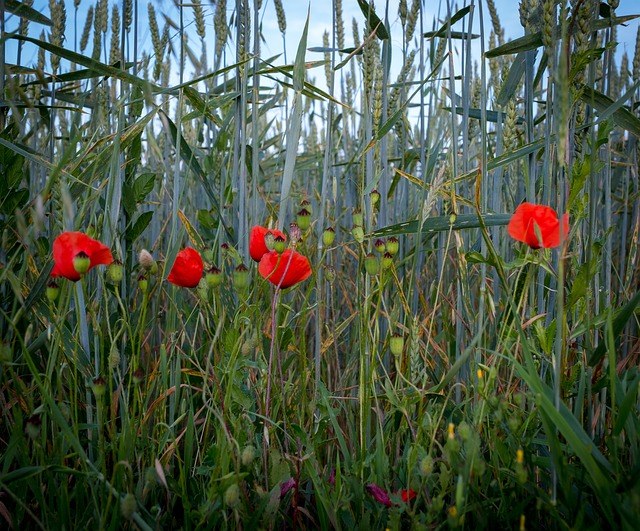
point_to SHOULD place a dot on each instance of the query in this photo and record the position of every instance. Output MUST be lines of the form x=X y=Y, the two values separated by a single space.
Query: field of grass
x=414 y=359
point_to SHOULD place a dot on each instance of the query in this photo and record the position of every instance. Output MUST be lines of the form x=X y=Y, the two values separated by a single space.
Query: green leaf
x=619 y=322
x=373 y=20
x=299 y=66
x=26 y=12
x=138 y=227
x=516 y=154
x=443 y=223
x=627 y=406
x=142 y=186
x=443 y=31
x=607 y=107
x=521 y=44
x=510 y=85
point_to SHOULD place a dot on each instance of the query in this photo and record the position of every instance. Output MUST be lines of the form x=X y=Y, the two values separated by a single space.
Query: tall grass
x=464 y=380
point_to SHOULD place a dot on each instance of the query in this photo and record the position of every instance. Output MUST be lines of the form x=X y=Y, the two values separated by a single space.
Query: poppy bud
x=306 y=204
x=99 y=386
x=207 y=254
x=241 y=277
x=269 y=240
x=53 y=290
x=138 y=376
x=115 y=271
x=114 y=357
x=357 y=218
x=202 y=290
x=304 y=219
x=396 y=344
x=328 y=236
x=380 y=246
x=81 y=263
x=387 y=260
x=248 y=455
x=330 y=273
x=295 y=232
x=375 y=196
x=358 y=233
x=426 y=466
x=143 y=283
x=147 y=262
x=393 y=245
x=279 y=244
x=32 y=427
x=128 y=506
x=6 y=353
x=232 y=496
x=371 y=265
x=213 y=277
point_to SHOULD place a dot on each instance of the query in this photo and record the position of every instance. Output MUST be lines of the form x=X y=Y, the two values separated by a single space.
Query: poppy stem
x=274 y=303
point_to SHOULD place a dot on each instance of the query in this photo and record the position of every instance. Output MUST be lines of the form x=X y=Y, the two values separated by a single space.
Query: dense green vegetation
x=433 y=371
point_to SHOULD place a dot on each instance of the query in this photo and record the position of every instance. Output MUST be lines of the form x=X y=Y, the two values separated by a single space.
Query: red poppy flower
x=257 y=247
x=407 y=494
x=187 y=269
x=379 y=494
x=273 y=267
x=68 y=245
x=530 y=221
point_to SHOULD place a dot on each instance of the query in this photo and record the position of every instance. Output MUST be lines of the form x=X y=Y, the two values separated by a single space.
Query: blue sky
x=296 y=12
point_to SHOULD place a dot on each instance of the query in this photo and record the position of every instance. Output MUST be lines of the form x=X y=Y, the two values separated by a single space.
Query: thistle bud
x=328 y=236
x=99 y=386
x=115 y=271
x=393 y=245
x=295 y=232
x=53 y=290
x=269 y=240
x=304 y=219
x=147 y=262
x=241 y=277
x=396 y=344
x=380 y=246
x=371 y=265
x=143 y=283
x=358 y=233
x=375 y=196
x=387 y=260
x=357 y=217
x=214 y=277
x=81 y=263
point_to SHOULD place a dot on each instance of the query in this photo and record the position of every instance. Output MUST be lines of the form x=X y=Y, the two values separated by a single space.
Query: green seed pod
x=116 y=271
x=396 y=344
x=202 y=290
x=387 y=260
x=214 y=277
x=81 y=263
x=358 y=233
x=241 y=277
x=380 y=246
x=371 y=264
x=143 y=283
x=279 y=244
x=248 y=455
x=375 y=196
x=357 y=217
x=393 y=245
x=328 y=236
x=99 y=386
x=53 y=290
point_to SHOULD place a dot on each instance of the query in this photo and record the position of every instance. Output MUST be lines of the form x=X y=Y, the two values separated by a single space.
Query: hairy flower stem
x=84 y=342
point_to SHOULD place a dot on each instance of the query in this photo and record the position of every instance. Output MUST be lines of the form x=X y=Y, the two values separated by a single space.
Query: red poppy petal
x=257 y=247
x=286 y=269
x=537 y=226
x=187 y=269
x=407 y=494
x=68 y=245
